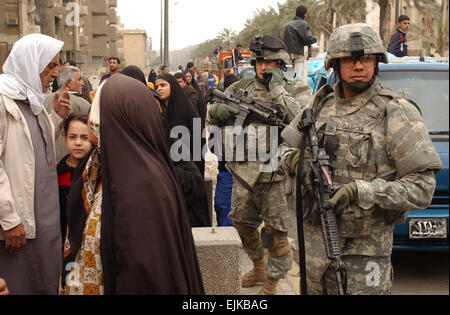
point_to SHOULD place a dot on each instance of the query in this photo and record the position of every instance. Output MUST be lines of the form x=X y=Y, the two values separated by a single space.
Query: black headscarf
x=147 y=245
x=152 y=76
x=180 y=112
x=201 y=103
x=134 y=72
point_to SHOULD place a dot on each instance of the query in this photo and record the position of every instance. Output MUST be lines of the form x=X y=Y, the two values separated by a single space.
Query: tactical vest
x=361 y=154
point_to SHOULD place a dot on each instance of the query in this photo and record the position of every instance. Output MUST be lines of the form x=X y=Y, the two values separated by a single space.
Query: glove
x=275 y=77
x=222 y=112
x=343 y=198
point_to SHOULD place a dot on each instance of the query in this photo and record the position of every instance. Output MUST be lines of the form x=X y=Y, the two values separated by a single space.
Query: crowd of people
x=92 y=202
x=81 y=178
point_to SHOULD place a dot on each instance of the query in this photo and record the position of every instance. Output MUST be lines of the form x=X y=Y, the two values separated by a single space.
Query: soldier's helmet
x=354 y=40
x=268 y=47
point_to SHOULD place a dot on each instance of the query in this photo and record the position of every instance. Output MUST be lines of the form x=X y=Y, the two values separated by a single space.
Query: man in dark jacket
x=188 y=90
x=399 y=45
x=297 y=35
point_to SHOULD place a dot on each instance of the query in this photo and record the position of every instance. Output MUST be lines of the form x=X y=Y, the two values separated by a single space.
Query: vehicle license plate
x=427 y=228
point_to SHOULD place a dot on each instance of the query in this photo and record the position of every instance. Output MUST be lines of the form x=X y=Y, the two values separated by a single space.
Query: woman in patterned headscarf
x=141 y=233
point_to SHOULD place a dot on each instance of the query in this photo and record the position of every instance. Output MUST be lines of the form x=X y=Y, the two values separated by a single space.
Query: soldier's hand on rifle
x=222 y=112
x=275 y=77
x=343 y=198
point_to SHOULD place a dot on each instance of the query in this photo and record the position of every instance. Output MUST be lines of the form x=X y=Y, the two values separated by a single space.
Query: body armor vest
x=361 y=154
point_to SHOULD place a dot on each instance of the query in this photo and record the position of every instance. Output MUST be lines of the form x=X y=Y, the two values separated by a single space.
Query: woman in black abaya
x=178 y=111
x=146 y=243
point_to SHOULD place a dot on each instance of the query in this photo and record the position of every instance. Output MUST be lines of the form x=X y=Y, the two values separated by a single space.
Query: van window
x=429 y=89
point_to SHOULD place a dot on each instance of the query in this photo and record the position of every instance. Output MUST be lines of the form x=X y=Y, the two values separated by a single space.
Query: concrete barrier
x=219 y=254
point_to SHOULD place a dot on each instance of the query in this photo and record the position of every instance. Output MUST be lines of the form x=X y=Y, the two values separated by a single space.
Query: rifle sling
x=300 y=230
x=248 y=187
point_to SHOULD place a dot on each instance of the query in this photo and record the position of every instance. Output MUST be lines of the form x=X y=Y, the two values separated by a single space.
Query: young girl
x=76 y=136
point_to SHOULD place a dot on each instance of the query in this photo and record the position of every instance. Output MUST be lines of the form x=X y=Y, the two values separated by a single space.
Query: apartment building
x=17 y=19
x=87 y=27
x=134 y=46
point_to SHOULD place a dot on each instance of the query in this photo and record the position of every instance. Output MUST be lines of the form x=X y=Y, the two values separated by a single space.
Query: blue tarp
x=314 y=68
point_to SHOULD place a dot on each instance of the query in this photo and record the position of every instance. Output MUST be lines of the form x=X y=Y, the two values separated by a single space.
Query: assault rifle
x=248 y=107
x=323 y=191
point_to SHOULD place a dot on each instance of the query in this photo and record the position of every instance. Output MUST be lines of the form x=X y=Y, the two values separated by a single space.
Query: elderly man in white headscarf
x=30 y=233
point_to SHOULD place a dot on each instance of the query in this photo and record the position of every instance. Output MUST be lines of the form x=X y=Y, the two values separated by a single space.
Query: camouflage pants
x=251 y=211
x=365 y=276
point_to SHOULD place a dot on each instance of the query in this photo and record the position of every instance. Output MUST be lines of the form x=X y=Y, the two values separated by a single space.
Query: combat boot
x=269 y=288
x=256 y=275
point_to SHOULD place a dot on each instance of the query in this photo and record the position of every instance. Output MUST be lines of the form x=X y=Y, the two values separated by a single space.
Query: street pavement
x=288 y=286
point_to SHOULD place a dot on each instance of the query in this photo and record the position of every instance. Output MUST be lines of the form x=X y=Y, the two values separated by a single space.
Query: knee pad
x=249 y=236
x=276 y=242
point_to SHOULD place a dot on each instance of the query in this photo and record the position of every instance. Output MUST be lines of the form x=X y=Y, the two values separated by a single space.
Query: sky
x=191 y=21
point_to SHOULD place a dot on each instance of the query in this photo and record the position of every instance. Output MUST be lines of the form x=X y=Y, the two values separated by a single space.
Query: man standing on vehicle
x=399 y=45
x=265 y=200
x=383 y=165
x=297 y=35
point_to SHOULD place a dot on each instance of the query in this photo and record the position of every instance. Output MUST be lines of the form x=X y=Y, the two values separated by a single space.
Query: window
x=429 y=89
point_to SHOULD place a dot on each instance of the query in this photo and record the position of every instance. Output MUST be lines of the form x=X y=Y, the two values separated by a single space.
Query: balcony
x=68 y=44
x=113 y=3
x=99 y=46
x=112 y=33
x=112 y=50
x=112 y=16
x=84 y=40
x=84 y=10
x=99 y=7
x=100 y=25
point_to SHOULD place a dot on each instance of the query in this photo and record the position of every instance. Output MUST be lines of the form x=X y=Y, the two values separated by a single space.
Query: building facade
x=88 y=28
x=133 y=47
x=17 y=19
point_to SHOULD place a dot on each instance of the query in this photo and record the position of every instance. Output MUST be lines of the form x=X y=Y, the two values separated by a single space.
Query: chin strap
x=357 y=86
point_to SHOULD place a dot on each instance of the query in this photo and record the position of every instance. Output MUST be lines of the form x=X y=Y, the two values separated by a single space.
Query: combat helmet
x=354 y=40
x=268 y=47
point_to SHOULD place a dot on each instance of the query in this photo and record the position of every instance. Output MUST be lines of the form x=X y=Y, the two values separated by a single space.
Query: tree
x=385 y=13
x=226 y=36
x=425 y=30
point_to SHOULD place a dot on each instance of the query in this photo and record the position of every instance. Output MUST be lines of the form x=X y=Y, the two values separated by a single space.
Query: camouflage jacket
x=290 y=98
x=385 y=147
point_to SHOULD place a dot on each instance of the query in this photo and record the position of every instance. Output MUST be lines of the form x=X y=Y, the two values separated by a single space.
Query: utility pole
x=166 y=32
x=162 y=31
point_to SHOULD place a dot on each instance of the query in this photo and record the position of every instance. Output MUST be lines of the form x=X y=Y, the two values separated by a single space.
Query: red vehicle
x=226 y=61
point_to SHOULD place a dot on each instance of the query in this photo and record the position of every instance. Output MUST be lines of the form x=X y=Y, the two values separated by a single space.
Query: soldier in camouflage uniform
x=384 y=164
x=269 y=57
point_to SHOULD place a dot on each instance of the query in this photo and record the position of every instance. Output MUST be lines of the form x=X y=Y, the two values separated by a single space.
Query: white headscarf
x=94 y=114
x=27 y=60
